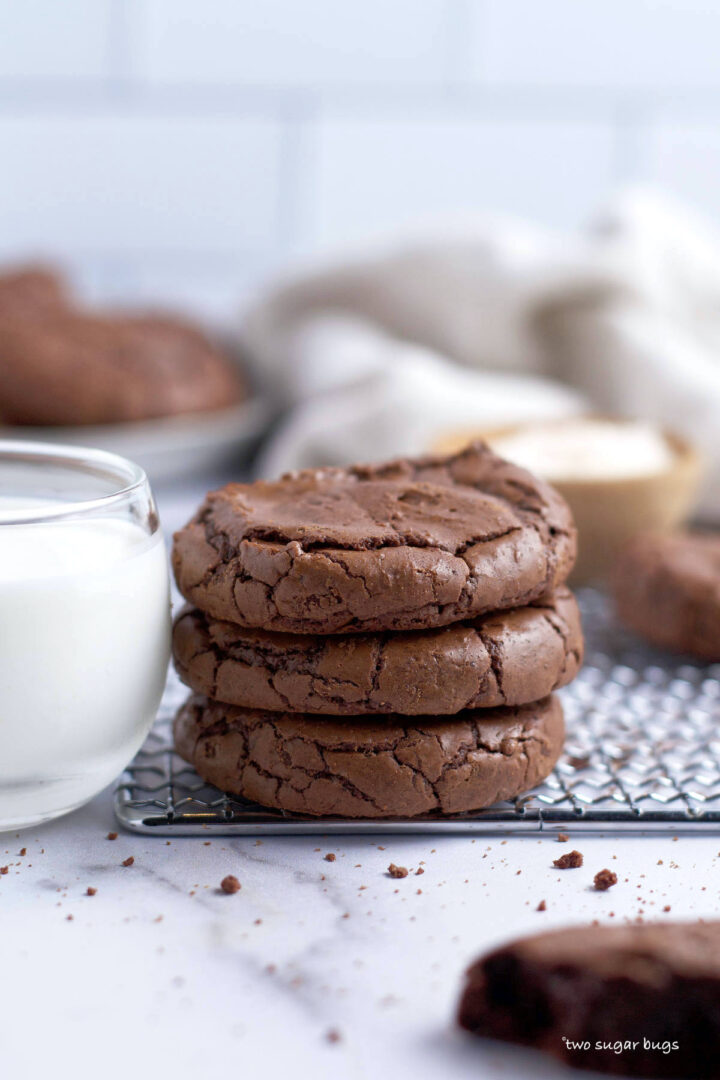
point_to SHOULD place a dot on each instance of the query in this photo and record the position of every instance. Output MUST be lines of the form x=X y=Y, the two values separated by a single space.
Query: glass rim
x=130 y=477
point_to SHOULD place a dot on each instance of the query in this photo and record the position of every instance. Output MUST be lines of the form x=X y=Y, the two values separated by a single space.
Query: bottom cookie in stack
x=371 y=767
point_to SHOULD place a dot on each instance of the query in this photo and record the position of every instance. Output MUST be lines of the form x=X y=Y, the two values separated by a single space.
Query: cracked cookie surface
x=505 y=658
x=402 y=546
x=371 y=768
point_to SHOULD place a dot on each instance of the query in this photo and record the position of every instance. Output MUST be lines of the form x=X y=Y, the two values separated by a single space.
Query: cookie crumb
x=4 y=869
x=604 y=879
x=90 y=891
x=333 y=1036
x=569 y=861
x=562 y=838
x=69 y=918
x=23 y=851
x=419 y=871
x=542 y=906
x=397 y=871
x=330 y=857
x=230 y=884
x=666 y=908
x=129 y=861
x=112 y=836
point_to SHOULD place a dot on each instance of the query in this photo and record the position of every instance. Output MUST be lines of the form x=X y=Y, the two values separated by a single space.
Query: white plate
x=170 y=447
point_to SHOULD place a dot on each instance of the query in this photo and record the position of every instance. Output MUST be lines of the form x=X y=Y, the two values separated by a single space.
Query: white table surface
x=160 y=970
x=162 y=974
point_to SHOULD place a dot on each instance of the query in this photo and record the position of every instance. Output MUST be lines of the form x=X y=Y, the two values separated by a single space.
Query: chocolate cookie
x=402 y=546
x=507 y=658
x=667 y=589
x=636 y=1000
x=31 y=292
x=371 y=768
x=74 y=368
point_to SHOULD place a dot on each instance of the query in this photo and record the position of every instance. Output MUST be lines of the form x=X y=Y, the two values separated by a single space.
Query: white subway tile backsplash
x=610 y=44
x=685 y=160
x=134 y=183
x=48 y=39
x=280 y=42
x=374 y=175
x=205 y=287
x=182 y=149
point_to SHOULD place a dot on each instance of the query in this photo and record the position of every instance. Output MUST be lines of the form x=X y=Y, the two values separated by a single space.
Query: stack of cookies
x=377 y=641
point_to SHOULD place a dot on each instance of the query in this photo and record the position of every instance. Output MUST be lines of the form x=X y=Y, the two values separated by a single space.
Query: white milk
x=84 y=646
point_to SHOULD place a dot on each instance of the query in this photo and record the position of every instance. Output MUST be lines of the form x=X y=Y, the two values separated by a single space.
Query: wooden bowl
x=609 y=511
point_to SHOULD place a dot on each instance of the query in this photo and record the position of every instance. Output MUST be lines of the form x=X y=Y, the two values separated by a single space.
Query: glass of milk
x=84 y=624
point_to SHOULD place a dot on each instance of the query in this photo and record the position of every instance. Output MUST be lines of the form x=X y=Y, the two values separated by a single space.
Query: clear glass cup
x=84 y=624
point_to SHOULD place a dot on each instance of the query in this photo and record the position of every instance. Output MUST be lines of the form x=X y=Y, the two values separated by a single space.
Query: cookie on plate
x=371 y=767
x=667 y=590
x=31 y=292
x=75 y=368
x=635 y=1000
x=505 y=658
x=402 y=546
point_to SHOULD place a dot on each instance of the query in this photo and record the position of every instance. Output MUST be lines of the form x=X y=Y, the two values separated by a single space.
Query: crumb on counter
x=569 y=861
x=604 y=879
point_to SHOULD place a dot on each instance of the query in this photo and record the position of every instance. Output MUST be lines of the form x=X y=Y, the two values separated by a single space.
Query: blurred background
x=179 y=151
x=407 y=222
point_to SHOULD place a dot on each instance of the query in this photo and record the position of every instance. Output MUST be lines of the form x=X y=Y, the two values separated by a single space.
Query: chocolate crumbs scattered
x=604 y=879
x=569 y=861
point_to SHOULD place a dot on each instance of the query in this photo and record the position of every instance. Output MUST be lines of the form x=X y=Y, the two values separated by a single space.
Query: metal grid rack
x=642 y=753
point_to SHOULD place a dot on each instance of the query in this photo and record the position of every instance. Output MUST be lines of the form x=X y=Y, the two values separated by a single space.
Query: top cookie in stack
x=428 y=588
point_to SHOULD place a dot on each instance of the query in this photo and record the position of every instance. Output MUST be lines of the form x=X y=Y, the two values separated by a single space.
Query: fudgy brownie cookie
x=402 y=546
x=667 y=589
x=371 y=768
x=638 y=1000
x=30 y=292
x=74 y=368
x=508 y=658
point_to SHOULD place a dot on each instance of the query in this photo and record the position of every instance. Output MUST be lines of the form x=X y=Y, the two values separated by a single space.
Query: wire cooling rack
x=642 y=754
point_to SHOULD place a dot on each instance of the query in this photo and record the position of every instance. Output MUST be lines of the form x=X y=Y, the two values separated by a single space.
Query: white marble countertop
x=160 y=970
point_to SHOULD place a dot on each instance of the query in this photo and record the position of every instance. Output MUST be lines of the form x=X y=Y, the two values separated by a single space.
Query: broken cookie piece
x=636 y=1001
